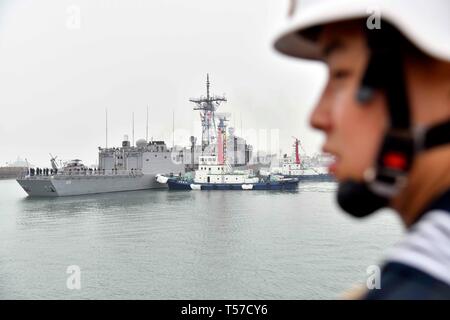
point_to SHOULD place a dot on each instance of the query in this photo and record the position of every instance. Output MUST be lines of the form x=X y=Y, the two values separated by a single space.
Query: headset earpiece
x=365 y=94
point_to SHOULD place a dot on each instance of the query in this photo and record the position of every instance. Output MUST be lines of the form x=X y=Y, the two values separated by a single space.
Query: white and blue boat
x=303 y=170
x=216 y=175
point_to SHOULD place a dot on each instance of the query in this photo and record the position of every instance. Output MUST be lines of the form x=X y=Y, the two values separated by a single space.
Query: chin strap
x=390 y=175
x=401 y=142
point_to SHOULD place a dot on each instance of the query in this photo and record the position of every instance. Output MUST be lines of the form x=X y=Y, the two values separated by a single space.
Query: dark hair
x=404 y=44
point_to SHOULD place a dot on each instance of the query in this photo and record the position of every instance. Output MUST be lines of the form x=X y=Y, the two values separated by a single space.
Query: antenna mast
x=242 y=132
x=106 y=118
x=173 y=128
x=146 y=128
x=208 y=106
x=132 y=129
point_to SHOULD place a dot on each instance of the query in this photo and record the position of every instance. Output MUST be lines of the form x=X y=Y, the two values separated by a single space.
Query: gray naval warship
x=125 y=168
x=130 y=167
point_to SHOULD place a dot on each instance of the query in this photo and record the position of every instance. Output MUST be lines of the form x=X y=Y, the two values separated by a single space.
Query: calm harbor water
x=187 y=245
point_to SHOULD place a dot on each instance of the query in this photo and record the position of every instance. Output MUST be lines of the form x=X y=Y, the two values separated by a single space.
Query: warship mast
x=207 y=107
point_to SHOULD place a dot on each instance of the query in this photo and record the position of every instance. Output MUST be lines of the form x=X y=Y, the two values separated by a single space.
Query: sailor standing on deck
x=385 y=112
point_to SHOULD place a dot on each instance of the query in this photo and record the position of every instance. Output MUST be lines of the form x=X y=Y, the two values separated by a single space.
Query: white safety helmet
x=426 y=23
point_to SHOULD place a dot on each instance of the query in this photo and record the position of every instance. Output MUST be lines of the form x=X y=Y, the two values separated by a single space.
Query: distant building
x=19 y=163
x=14 y=169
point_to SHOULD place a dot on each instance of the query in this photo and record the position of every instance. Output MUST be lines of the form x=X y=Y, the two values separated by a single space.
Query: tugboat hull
x=175 y=184
x=323 y=177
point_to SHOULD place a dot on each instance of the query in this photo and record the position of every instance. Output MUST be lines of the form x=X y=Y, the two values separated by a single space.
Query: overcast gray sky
x=58 y=76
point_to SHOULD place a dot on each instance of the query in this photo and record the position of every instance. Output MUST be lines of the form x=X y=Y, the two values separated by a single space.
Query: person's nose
x=320 y=117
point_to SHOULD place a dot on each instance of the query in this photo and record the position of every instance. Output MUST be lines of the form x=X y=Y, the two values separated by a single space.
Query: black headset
x=401 y=142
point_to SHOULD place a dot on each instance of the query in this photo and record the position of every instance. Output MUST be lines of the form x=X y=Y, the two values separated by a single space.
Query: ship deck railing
x=98 y=173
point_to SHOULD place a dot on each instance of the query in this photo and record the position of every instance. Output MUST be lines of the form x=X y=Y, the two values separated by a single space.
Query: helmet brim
x=431 y=38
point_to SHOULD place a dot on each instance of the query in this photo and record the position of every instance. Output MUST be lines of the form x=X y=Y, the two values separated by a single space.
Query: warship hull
x=72 y=186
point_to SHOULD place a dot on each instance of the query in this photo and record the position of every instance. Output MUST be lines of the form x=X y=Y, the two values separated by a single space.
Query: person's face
x=353 y=130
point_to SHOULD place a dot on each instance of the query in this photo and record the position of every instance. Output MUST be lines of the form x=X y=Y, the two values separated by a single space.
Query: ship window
x=165 y=157
x=147 y=159
x=156 y=155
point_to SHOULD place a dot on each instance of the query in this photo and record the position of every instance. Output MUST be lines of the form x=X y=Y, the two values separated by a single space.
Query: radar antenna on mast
x=207 y=107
